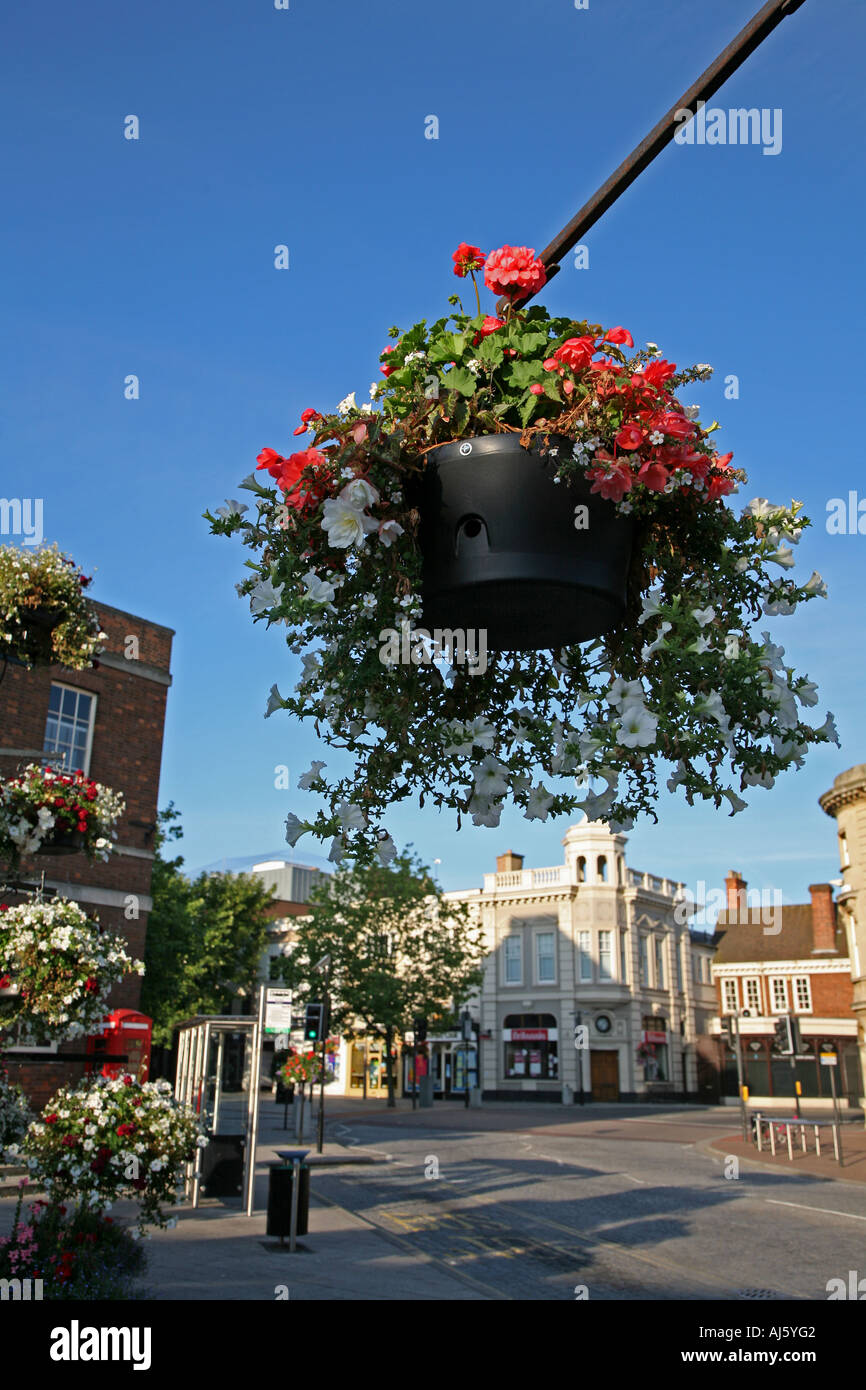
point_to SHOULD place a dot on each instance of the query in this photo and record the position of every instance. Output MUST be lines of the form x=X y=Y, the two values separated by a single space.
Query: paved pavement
x=525 y=1202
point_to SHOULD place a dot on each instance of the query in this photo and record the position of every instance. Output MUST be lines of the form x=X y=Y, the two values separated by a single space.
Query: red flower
x=91 y=986
x=629 y=437
x=91 y=793
x=128 y=1080
x=672 y=423
x=51 y=1119
x=467 y=258
x=575 y=353
x=490 y=325
x=139 y=1184
x=271 y=460
x=719 y=487
x=289 y=475
x=619 y=335
x=613 y=485
x=653 y=475
x=514 y=271
x=656 y=372
x=58 y=801
x=68 y=1141
x=124 y=1129
x=306 y=416
x=386 y=370
x=536 y=389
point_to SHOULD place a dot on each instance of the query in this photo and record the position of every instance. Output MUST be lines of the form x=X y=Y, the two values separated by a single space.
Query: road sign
x=829 y=1059
x=278 y=1011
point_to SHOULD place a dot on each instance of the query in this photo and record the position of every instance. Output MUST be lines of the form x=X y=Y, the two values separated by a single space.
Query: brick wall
x=126 y=755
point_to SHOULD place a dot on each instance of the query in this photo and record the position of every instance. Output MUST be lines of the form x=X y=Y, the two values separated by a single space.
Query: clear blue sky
x=306 y=127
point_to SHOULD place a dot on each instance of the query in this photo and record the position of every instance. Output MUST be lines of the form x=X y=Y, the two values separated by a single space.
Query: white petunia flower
x=265 y=596
x=638 y=727
x=295 y=828
x=307 y=780
x=816 y=585
x=344 y=524
x=275 y=702
x=702 y=616
x=539 y=803
x=490 y=778
x=351 y=816
x=318 y=590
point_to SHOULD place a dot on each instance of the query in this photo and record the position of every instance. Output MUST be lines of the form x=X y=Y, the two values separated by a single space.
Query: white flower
x=623 y=693
x=351 y=816
x=678 y=776
x=778 y=608
x=347 y=404
x=806 y=692
x=490 y=778
x=473 y=365
x=760 y=507
x=816 y=585
x=539 y=803
x=704 y=370
x=295 y=828
x=336 y=851
x=653 y=349
x=485 y=812
x=305 y=782
x=699 y=646
x=656 y=437
x=386 y=849
x=651 y=604
x=692 y=412
x=649 y=647
x=265 y=596
x=359 y=494
x=389 y=531
x=319 y=590
x=638 y=727
x=202 y=1141
x=737 y=803
x=344 y=524
x=231 y=507
x=369 y=602
x=702 y=616
x=374 y=387
x=275 y=701
x=784 y=557
x=416 y=357
x=771 y=654
x=828 y=728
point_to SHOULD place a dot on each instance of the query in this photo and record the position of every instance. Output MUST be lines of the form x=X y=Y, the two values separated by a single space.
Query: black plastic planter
x=62 y=841
x=501 y=550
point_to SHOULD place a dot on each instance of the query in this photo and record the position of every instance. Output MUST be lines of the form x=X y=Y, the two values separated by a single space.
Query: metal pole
x=744 y=1114
x=709 y=82
x=296 y=1183
x=837 y=1119
x=253 y=1102
x=218 y=1088
x=326 y=1010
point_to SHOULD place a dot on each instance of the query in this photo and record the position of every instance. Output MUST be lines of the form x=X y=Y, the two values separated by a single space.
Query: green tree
x=397 y=949
x=205 y=937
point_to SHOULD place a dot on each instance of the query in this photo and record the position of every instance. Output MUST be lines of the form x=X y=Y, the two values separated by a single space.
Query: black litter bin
x=285 y=1094
x=280 y=1200
x=223 y=1165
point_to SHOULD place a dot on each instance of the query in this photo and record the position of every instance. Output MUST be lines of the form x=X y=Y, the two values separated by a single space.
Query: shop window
x=534 y=1057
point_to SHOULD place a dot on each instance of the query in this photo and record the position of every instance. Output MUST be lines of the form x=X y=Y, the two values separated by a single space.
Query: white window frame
x=518 y=937
x=610 y=976
x=551 y=932
x=584 y=957
x=623 y=955
x=659 y=963
x=752 y=995
x=94 y=699
x=775 y=1007
x=796 y=982
x=730 y=987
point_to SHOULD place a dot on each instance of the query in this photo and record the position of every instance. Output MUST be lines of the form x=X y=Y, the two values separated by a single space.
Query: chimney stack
x=823 y=918
x=508 y=861
x=735 y=891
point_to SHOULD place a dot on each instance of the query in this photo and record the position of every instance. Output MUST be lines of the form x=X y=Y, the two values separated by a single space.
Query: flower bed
x=113 y=1137
x=75 y=1254
x=46 y=619
x=62 y=965
x=683 y=679
x=42 y=802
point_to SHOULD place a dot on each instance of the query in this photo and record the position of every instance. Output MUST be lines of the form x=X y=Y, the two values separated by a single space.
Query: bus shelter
x=198 y=1086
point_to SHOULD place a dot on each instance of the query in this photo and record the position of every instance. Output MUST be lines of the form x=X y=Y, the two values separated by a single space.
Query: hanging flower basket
x=110 y=1138
x=514 y=576
x=47 y=619
x=61 y=968
x=507 y=551
x=46 y=811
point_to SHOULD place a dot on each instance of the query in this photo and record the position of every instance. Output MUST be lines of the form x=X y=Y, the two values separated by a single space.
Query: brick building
x=109 y=722
x=794 y=960
x=846 y=802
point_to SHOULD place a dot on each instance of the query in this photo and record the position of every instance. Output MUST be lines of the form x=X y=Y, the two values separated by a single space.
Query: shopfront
x=451 y=1062
x=530 y=1048
x=367 y=1069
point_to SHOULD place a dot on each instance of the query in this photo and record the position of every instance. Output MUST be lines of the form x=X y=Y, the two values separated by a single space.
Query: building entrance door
x=604 y=1075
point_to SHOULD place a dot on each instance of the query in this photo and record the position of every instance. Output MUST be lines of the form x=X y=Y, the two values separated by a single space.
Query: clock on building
x=603 y=1024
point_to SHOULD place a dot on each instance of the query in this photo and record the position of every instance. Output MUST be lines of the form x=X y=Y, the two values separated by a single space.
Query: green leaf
x=522 y=374
x=490 y=351
x=459 y=379
x=527 y=407
x=443 y=349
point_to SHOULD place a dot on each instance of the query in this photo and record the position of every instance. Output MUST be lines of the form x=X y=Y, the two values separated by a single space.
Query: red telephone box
x=125 y=1033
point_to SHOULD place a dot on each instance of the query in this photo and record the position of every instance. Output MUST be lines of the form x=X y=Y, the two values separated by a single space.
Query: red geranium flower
x=613 y=485
x=467 y=258
x=514 y=271
x=386 y=370
x=536 y=389
x=306 y=416
x=575 y=353
x=619 y=335
x=629 y=437
x=656 y=372
x=490 y=325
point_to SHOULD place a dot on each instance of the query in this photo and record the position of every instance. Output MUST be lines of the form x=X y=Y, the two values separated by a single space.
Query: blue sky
x=305 y=127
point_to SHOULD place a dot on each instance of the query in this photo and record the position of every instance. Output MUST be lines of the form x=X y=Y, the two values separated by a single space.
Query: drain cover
x=756 y=1293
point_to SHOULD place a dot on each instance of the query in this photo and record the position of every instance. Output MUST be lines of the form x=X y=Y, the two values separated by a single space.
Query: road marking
x=825 y=1211
x=631 y=1179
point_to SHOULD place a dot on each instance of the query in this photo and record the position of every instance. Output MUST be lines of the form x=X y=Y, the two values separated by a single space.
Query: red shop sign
x=655 y=1037
x=529 y=1035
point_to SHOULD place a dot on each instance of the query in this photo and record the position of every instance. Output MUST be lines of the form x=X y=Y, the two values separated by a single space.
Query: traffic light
x=314 y=1022
x=787 y=1040
x=419 y=1028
